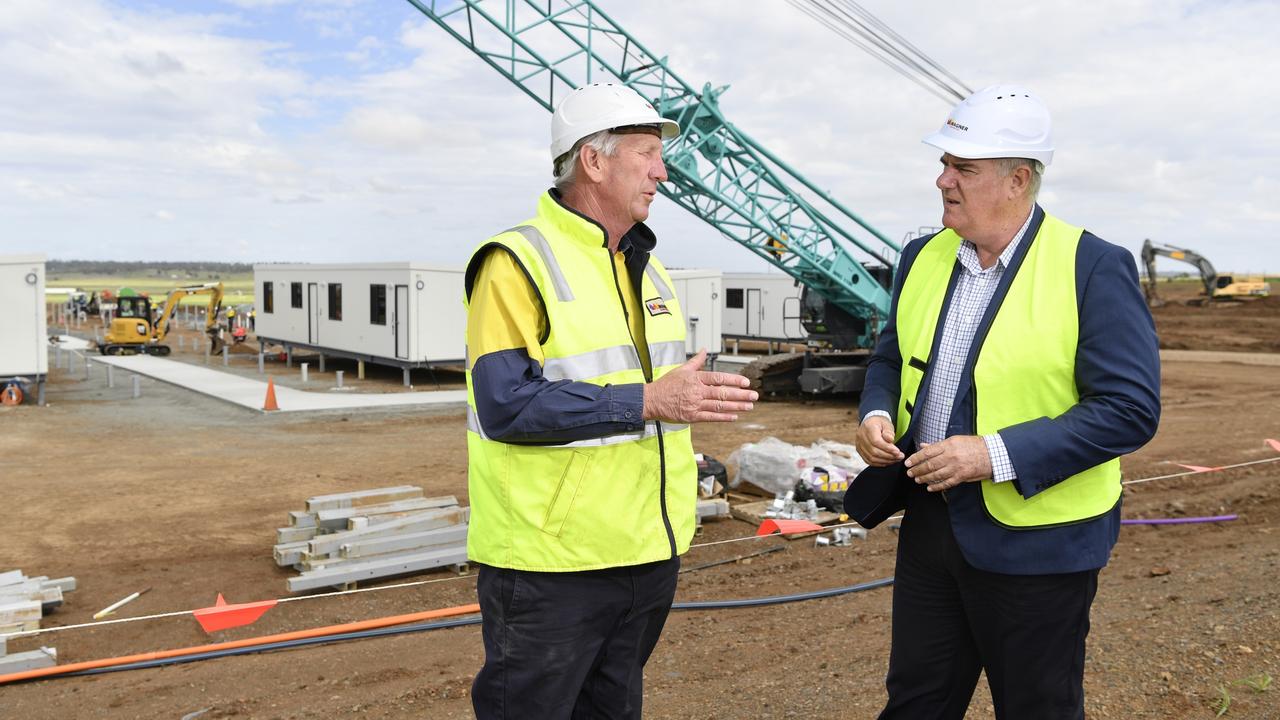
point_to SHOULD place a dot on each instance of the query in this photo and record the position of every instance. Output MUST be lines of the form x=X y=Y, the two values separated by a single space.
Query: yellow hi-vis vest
x=1025 y=366
x=612 y=501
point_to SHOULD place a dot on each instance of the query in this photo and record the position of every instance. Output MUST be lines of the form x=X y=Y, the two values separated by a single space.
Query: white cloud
x=388 y=139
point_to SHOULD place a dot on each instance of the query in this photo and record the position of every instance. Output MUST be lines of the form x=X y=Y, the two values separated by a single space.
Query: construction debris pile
x=341 y=539
x=23 y=602
x=776 y=467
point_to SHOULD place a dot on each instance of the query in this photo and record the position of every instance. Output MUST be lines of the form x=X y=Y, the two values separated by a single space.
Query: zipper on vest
x=648 y=377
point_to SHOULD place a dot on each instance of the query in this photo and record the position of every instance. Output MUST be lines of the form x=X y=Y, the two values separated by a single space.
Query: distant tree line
x=161 y=268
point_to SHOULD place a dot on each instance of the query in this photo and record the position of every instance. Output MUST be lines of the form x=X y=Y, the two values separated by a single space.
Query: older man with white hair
x=1018 y=364
x=581 y=470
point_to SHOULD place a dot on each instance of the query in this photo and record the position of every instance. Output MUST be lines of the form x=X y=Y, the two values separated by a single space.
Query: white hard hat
x=602 y=106
x=997 y=122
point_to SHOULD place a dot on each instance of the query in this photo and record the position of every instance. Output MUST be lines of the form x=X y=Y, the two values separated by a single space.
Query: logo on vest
x=657 y=306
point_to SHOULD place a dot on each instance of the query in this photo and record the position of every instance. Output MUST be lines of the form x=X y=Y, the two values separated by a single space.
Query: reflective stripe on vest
x=623 y=499
x=1025 y=366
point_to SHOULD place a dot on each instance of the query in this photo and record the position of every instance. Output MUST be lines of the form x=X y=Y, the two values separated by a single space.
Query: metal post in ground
x=226 y=356
x=321 y=362
x=288 y=357
x=339 y=373
x=111 y=376
x=57 y=357
x=208 y=348
x=261 y=357
x=360 y=369
x=137 y=387
x=40 y=393
x=406 y=378
x=87 y=368
x=304 y=371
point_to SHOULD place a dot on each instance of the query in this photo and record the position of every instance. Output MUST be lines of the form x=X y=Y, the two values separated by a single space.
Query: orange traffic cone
x=270 y=403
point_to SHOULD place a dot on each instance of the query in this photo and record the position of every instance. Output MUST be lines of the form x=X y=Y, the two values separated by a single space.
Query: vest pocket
x=566 y=491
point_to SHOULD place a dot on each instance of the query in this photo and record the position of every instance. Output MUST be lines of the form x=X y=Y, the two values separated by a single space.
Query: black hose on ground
x=442 y=624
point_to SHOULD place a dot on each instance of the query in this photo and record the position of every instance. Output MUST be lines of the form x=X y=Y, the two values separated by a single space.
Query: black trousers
x=951 y=621
x=569 y=645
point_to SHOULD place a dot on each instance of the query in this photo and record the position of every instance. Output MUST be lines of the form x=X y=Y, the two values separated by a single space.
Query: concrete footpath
x=251 y=393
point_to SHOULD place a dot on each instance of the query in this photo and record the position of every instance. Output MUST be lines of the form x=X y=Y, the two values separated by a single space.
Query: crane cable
x=875 y=38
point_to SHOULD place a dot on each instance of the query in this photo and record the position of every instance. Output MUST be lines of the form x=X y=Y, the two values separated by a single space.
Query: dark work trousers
x=569 y=645
x=951 y=620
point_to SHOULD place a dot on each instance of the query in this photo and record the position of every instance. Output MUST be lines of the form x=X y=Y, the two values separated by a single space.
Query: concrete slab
x=250 y=393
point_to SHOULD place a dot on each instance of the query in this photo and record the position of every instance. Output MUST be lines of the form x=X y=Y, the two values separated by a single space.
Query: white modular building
x=404 y=314
x=24 y=350
x=701 y=297
x=762 y=306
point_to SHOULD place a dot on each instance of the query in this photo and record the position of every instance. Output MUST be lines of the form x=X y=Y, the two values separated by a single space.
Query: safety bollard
x=339 y=373
x=207 y=349
x=304 y=371
x=360 y=369
x=87 y=368
x=321 y=362
x=226 y=356
x=261 y=357
x=406 y=378
x=137 y=387
x=111 y=376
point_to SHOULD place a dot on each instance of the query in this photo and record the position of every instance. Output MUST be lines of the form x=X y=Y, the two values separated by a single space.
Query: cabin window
x=295 y=294
x=335 y=301
x=377 y=304
x=268 y=297
x=733 y=298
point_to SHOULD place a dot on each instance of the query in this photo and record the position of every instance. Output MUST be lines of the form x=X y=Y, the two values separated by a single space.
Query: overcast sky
x=342 y=130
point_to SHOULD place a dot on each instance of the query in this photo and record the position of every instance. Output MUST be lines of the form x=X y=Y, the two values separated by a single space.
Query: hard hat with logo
x=1000 y=121
x=602 y=106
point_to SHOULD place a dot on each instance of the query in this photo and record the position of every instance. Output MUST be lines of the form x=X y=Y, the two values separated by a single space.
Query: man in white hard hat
x=1019 y=362
x=581 y=471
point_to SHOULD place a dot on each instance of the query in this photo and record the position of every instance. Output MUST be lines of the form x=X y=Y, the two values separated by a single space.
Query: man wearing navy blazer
x=1018 y=363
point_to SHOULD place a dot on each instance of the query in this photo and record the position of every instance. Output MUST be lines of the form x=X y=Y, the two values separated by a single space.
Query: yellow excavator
x=1216 y=287
x=139 y=328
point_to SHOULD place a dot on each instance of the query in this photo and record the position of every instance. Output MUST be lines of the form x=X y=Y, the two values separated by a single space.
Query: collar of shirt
x=967 y=253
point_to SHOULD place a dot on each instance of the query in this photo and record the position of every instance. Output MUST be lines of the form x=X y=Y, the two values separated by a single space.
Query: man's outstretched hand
x=690 y=394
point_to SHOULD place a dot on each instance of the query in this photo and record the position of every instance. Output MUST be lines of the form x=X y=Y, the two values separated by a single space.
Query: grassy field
x=238 y=289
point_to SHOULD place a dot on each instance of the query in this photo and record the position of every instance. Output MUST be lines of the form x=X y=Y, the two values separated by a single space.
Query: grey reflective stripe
x=535 y=238
x=473 y=423
x=591 y=364
x=667 y=353
x=663 y=289
x=650 y=430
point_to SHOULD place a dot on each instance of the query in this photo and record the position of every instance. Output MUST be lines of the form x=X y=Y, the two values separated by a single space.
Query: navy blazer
x=1117 y=374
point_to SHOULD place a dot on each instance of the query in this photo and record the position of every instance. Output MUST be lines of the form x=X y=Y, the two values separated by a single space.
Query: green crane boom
x=716 y=171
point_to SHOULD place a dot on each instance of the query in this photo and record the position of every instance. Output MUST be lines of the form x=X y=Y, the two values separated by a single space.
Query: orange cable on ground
x=247 y=642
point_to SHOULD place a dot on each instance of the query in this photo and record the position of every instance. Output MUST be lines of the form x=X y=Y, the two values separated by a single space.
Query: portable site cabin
x=403 y=314
x=24 y=355
x=762 y=306
x=701 y=296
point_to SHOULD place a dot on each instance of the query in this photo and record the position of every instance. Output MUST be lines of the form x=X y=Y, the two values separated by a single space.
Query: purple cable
x=1179 y=521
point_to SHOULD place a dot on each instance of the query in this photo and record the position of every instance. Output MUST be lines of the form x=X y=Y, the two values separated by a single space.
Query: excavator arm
x=1151 y=250
x=215 y=293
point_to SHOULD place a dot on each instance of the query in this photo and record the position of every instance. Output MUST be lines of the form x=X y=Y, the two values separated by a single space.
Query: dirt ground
x=181 y=493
